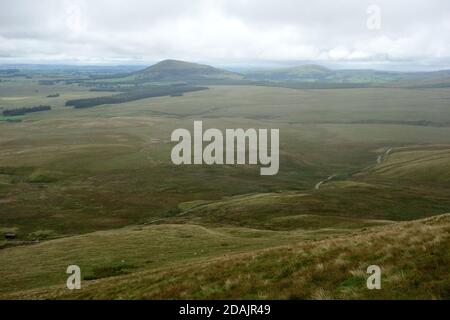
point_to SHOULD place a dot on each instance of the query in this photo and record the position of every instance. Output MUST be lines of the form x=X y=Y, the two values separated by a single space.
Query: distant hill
x=319 y=74
x=175 y=70
x=322 y=75
x=306 y=72
x=309 y=76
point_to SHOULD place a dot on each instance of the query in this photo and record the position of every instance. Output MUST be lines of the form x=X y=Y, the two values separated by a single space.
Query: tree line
x=25 y=110
x=137 y=94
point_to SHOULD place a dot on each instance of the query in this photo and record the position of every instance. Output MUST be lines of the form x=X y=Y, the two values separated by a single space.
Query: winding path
x=317 y=187
x=380 y=159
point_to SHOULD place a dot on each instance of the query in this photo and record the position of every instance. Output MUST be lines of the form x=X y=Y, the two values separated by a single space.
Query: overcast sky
x=348 y=33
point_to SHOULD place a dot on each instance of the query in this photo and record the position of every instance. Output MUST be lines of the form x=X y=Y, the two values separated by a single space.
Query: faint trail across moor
x=380 y=159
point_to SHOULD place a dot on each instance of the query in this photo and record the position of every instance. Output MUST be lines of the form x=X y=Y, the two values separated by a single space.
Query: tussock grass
x=304 y=270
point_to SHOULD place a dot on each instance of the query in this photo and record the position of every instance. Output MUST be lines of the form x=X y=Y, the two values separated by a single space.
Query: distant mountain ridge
x=173 y=70
x=320 y=74
x=310 y=74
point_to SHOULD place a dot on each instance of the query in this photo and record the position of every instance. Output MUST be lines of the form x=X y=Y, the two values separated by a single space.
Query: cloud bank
x=225 y=32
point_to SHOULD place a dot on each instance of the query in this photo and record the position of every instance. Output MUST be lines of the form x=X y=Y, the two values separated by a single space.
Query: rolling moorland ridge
x=364 y=180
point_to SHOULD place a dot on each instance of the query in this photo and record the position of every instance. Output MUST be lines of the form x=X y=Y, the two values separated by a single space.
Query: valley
x=364 y=177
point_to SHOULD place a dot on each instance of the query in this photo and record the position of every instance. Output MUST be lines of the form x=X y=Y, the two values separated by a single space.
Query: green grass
x=413 y=257
x=426 y=164
x=109 y=271
x=109 y=253
x=84 y=182
x=410 y=183
x=68 y=166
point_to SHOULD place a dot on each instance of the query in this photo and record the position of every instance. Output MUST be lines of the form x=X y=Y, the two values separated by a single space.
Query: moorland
x=363 y=180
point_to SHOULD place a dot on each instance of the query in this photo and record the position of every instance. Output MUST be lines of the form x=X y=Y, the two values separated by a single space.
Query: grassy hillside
x=275 y=211
x=175 y=70
x=413 y=256
x=425 y=164
x=131 y=249
x=416 y=175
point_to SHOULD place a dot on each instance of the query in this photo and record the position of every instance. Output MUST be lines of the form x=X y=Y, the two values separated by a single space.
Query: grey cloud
x=224 y=31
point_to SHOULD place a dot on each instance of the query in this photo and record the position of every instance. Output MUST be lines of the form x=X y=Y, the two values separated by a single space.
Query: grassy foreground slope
x=110 y=253
x=413 y=256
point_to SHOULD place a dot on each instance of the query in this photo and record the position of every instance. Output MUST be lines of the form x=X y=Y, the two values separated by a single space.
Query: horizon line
x=262 y=65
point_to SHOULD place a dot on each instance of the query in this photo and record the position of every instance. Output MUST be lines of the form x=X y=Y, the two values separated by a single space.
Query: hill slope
x=419 y=164
x=417 y=175
x=413 y=256
x=175 y=70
